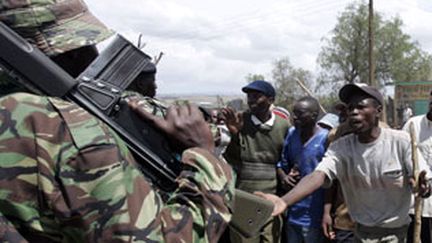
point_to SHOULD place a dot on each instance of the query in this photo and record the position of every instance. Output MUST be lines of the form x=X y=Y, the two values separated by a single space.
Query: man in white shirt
x=374 y=168
x=423 y=133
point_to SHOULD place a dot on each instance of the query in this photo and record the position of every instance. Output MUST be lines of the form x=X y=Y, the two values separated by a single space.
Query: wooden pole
x=418 y=201
x=371 y=46
x=371 y=40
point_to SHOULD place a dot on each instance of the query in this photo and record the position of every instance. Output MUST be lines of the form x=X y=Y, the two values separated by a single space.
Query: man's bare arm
x=305 y=187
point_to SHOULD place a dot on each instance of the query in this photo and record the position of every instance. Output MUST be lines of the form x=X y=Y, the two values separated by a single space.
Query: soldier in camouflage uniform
x=66 y=177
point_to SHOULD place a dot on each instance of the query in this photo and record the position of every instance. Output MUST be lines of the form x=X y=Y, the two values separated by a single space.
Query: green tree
x=344 y=57
x=252 y=77
x=285 y=77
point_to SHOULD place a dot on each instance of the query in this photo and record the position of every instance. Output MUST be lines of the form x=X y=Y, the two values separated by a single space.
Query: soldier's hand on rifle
x=233 y=120
x=185 y=125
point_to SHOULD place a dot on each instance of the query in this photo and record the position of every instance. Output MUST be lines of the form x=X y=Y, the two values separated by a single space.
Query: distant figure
x=329 y=121
x=407 y=113
x=255 y=148
x=341 y=110
x=214 y=116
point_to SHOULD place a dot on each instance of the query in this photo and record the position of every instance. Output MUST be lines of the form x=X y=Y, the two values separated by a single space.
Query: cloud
x=210 y=46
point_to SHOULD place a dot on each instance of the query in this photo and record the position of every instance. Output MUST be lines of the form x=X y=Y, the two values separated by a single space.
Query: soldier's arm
x=110 y=199
x=200 y=208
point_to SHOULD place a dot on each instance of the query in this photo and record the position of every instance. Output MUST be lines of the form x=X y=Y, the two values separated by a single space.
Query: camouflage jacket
x=66 y=177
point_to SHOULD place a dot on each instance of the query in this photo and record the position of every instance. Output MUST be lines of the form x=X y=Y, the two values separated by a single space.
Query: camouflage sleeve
x=116 y=202
x=200 y=208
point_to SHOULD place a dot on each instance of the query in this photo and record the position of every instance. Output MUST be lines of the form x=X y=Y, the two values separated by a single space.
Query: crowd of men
x=66 y=176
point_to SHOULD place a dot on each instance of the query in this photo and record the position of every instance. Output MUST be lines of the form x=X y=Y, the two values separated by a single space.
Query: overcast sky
x=210 y=46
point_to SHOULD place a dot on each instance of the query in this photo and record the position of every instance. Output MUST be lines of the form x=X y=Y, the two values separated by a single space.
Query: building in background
x=414 y=94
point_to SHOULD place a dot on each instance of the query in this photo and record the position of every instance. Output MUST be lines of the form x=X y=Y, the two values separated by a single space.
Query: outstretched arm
x=306 y=186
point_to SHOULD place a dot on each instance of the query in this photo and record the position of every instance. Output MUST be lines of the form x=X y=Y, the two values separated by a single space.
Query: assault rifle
x=99 y=90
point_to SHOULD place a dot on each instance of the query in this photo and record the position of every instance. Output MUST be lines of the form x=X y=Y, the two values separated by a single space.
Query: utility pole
x=371 y=46
x=371 y=58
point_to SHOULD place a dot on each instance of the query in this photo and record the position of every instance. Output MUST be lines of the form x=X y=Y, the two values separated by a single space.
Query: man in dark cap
x=374 y=168
x=255 y=148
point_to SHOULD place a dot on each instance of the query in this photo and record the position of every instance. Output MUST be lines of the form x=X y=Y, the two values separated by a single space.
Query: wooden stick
x=305 y=89
x=418 y=201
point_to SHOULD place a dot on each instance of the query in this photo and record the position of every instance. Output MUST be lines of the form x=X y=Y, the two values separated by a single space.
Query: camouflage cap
x=54 y=26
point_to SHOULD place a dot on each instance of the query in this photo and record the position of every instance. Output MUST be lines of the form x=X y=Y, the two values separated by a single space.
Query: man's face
x=303 y=115
x=214 y=116
x=146 y=85
x=258 y=103
x=149 y=88
x=363 y=113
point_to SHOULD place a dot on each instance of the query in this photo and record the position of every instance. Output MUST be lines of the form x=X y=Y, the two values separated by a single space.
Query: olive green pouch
x=250 y=213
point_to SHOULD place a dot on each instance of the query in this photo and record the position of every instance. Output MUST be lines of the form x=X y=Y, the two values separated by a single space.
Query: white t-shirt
x=374 y=177
x=423 y=132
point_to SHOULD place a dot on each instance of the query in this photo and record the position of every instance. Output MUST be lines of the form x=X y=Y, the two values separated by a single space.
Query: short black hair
x=314 y=103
